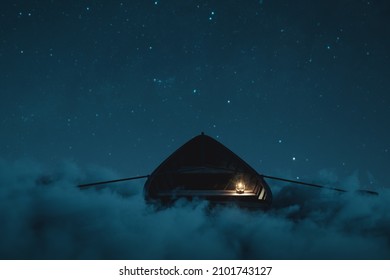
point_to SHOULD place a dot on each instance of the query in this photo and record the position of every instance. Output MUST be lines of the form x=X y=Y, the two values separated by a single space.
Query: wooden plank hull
x=203 y=168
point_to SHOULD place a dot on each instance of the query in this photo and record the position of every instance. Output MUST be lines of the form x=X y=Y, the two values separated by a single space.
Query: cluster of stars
x=224 y=78
x=20 y=14
x=212 y=14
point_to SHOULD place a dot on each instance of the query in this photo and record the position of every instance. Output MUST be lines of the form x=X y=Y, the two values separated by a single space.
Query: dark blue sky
x=96 y=90
x=292 y=87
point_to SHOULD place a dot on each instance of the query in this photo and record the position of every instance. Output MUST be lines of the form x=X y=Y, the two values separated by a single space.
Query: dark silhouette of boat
x=204 y=168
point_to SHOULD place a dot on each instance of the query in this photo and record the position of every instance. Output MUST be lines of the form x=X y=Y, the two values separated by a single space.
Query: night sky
x=295 y=88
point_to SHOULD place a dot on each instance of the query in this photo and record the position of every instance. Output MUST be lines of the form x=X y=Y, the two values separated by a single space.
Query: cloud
x=44 y=216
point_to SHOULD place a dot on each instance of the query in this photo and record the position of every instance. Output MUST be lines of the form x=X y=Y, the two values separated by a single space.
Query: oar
x=112 y=181
x=264 y=176
x=316 y=185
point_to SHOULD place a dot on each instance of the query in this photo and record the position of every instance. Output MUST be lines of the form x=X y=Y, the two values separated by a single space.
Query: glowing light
x=240 y=187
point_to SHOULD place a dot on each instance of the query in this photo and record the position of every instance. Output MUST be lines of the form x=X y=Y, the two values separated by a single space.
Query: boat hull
x=205 y=169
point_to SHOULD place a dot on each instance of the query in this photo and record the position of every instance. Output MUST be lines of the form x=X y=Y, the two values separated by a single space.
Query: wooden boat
x=204 y=168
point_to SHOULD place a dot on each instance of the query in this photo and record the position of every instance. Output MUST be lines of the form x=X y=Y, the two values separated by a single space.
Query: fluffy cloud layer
x=45 y=216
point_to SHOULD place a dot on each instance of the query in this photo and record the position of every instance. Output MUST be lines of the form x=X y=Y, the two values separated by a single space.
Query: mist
x=43 y=215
